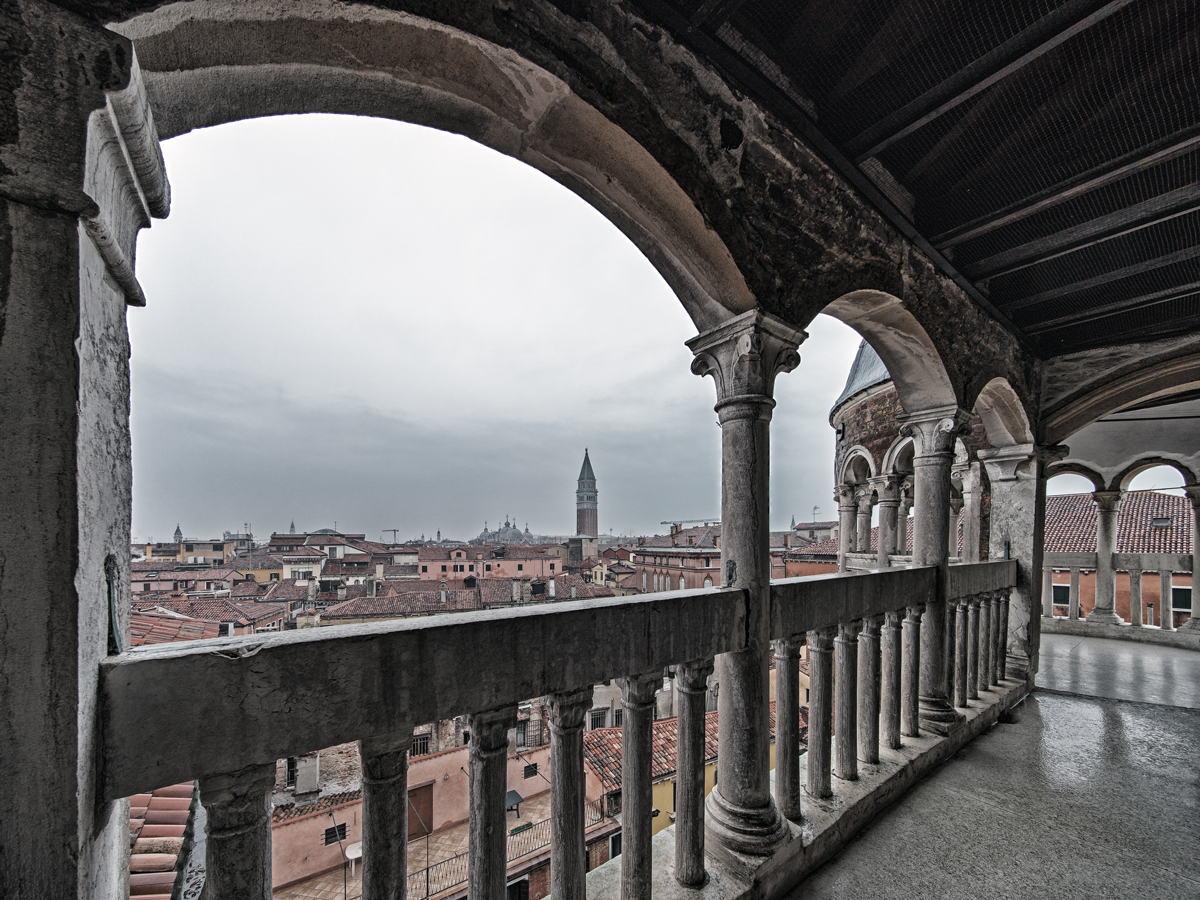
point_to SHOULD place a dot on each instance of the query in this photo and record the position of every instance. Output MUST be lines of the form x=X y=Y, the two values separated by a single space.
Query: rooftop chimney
x=550 y=586
x=572 y=592
x=378 y=570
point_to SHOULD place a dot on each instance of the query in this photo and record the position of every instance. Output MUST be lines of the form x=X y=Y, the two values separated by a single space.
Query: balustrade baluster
x=1073 y=599
x=238 y=854
x=951 y=632
x=1166 y=606
x=845 y=695
x=567 y=845
x=1048 y=592
x=1136 y=615
x=997 y=641
x=985 y=640
x=637 y=800
x=1002 y=642
x=787 y=727
x=889 y=693
x=868 y=691
x=820 y=712
x=973 y=648
x=960 y=653
x=385 y=816
x=692 y=683
x=487 y=870
x=910 y=674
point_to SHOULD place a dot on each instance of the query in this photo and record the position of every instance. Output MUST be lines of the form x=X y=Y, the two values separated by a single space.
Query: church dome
x=866 y=371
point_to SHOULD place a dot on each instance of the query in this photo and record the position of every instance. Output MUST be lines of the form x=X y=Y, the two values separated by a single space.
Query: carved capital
x=844 y=495
x=934 y=431
x=744 y=354
x=239 y=800
x=637 y=691
x=1008 y=463
x=385 y=760
x=489 y=730
x=568 y=709
x=888 y=487
x=692 y=677
x=821 y=640
x=1107 y=501
x=787 y=648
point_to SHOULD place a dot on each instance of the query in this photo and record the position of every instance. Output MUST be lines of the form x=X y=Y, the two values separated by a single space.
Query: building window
x=488 y=567
x=618 y=717
x=707 y=582
x=1156 y=522
x=1181 y=598
x=643 y=581
x=420 y=745
x=518 y=890
x=681 y=582
x=1062 y=595
x=424 y=568
x=520 y=567
x=443 y=568
x=597 y=718
x=274 y=576
x=289 y=777
x=531 y=771
x=471 y=567
x=335 y=834
x=522 y=731
x=189 y=547
x=458 y=556
x=551 y=567
x=614 y=846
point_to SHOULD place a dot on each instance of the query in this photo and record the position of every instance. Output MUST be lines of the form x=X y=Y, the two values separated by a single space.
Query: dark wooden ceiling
x=1046 y=153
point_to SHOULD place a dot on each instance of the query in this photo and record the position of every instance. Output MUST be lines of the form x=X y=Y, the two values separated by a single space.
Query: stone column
x=960 y=654
x=1136 y=615
x=956 y=508
x=487 y=868
x=902 y=519
x=1107 y=503
x=845 y=701
x=868 y=691
x=1193 y=623
x=385 y=816
x=637 y=786
x=910 y=672
x=972 y=491
x=887 y=488
x=846 y=527
x=933 y=433
x=744 y=355
x=973 y=648
x=1073 y=599
x=819 y=782
x=862 y=537
x=567 y=867
x=1002 y=638
x=1166 y=615
x=985 y=640
x=1048 y=591
x=787 y=728
x=692 y=684
x=889 y=693
x=237 y=860
x=997 y=641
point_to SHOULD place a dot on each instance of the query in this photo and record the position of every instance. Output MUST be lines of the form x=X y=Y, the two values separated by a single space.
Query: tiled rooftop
x=160 y=628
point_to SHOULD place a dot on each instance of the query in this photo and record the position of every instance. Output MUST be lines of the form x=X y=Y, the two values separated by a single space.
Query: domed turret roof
x=866 y=371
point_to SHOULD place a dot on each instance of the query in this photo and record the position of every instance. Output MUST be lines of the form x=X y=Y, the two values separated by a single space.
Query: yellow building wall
x=664 y=794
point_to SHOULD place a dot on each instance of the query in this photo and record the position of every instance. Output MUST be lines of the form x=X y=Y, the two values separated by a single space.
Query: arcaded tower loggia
x=586 y=516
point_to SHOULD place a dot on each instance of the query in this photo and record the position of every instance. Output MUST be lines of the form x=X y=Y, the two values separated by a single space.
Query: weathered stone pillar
x=487 y=869
x=1166 y=606
x=237 y=861
x=787 y=727
x=567 y=865
x=1073 y=599
x=1137 y=617
x=933 y=433
x=910 y=672
x=819 y=782
x=692 y=684
x=889 y=694
x=1193 y=623
x=960 y=654
x=744 y=355
x=902 y=518
x=637 y=786
x=985 y=640
x=997 y=642
x=1107 y=512
x=887 y=488
x=868 y=691
x=862 y=537
x=972 y=491
x=1048 y=591
x=956 y=508
x=385 y=816
x=845 y=699
x=973 y=648
x=846 y=527
x=1002 y=637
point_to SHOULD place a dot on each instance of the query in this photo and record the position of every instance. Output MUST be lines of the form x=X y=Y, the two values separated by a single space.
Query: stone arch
x=1121 y=481
x=207 y=63
x=898 y=459
x=903 y=344
x=1074 y=468
x=1003 y=415
x=858 y=458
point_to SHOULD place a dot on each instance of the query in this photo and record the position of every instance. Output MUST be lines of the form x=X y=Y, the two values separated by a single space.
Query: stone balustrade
x=258 y=698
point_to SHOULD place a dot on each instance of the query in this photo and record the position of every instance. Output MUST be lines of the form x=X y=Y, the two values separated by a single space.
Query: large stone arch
x=847 y=475
x=215 y=62
x=916 y=367
x=1004 y=417
x=1126 y=475
x=1074 y=468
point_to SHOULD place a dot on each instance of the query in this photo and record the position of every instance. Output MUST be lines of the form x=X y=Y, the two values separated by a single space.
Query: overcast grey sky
x=358 y=321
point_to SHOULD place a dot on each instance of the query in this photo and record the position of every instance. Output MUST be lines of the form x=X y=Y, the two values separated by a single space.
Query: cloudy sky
x=357 y=321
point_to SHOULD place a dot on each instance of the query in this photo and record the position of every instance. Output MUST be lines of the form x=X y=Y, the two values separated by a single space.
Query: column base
x=937 y=715
x=742 y=836
x=1192 y=625
x=1104 y=617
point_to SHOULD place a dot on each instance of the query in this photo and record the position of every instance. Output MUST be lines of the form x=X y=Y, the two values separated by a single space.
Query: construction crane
x=716 y=521
x=394 y=532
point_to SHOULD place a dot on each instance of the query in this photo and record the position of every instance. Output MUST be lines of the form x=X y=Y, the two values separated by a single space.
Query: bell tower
x=586 y=515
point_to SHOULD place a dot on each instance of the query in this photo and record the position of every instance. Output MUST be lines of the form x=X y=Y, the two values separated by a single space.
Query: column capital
x=871 y=625
x=956 y=505
x=637 y=691
x=892 y=618
x=745 y=353
x=787 y=648
x=934 y=430
x=693 y=676
x=489 y=730
x=888 y=487
x=399 y=741
x=821 y=639
x=567 y=710
x=844 y=494
x=1107 y=501
x=1008 y=463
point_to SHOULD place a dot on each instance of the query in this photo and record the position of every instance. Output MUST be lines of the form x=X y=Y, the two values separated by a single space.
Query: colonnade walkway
x=1078 y=795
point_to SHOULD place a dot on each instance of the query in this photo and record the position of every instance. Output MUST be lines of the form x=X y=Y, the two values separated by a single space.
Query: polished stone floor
x=1079 y=796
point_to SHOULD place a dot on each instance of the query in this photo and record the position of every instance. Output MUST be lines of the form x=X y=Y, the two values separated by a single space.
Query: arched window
x=707 y=581
x=681 y=587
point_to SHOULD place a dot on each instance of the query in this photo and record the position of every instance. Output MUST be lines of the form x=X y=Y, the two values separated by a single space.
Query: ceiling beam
x=1148 y=265
x=1115 y=308
x=1174 y=328
x=1013 y=55
x=713 y=13
x=1101 y=176
x=1108 y=227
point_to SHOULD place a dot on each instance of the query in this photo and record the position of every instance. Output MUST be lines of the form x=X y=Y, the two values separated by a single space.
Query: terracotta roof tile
x=159 y=628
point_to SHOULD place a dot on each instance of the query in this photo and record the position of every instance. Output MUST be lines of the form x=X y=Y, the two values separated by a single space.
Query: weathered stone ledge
x=828 y=825
x=1147 y=634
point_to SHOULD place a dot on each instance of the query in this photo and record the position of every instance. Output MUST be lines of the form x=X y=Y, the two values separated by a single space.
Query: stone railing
x=223 y=711
x=1136 y=565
